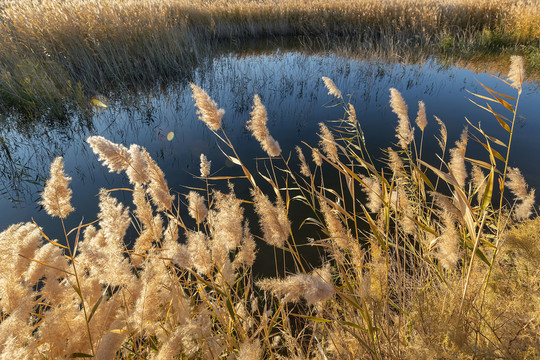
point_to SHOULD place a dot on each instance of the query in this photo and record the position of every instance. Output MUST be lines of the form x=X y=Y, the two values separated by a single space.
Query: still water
x=289 y=84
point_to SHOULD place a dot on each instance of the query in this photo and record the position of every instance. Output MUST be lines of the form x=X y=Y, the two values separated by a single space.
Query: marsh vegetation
x=426 y=246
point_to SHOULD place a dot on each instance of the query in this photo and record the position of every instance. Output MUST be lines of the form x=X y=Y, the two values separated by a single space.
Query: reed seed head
x=517 y=185
x=316 y=156
x=421 y=120
x=457 y=159
x=257 y=125
x=328 y=143
x=516 y=75
x=137 y=170
x=115 y=156
x=332 y=88
x=443 y=139
x=196 y=207
x=404 y=133
x=158 y=189
x=205 y=166
x=314 y=288
x=56 y=196
x=351 y=115
x=304 y=168
x=207 y=108
x=273 y=219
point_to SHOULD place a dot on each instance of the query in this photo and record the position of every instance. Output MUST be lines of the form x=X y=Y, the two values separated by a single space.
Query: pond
x=289 y=83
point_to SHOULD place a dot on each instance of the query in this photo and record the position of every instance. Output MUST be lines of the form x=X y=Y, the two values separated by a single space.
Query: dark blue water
x=291 y=88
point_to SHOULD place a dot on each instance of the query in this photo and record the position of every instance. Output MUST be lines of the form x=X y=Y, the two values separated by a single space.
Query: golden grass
x=428 y=264
x=53 y=49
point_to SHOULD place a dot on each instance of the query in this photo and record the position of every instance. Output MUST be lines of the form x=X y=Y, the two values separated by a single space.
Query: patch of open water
x=291 y=88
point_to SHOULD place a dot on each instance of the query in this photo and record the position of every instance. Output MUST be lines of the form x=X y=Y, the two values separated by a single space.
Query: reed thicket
x=54 y=50
x=421 y=260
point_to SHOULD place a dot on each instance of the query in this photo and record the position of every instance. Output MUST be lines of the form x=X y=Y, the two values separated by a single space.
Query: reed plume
x=137 y=171
x=516 y=74
x=115 y=156
x=205 y=166
x=517 y=185
x=332 y=88
x=56 y=196
x=158 y=188
x=335 y=227
x=443 y=138
x=457 y=159
x=314 y=288
x=448 y=242
x=421 y=120
x=257 y=125
x=316 y=156
x=304 y=167
x=404 y=133
x=372 y=187
x=273 y=219
x=351 y=114
x=328 y=143
x=207 y=108
x=196 y=207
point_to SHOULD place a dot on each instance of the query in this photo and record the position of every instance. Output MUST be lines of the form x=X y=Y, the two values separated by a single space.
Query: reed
x=426 y=265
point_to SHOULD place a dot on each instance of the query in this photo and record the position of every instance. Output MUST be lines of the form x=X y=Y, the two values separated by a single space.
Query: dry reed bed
x=55 y=49
x=429 y=264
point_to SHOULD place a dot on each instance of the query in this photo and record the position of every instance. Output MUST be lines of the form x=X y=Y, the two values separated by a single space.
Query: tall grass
x=53 y=50
x=421 y=260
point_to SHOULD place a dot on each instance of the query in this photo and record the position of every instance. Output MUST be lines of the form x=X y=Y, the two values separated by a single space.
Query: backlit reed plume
x=257 y=125
x=158 y=189
x=443 y=138
x=207 y=108
x=199 y=252
x=351 y=114
x=316 y=156
x=457 y=159
x=421 y=120
x=205 y=166
x=516 y=75
x=137 y=170
x=225 y=220
x=196 y=207
x=395 y=164
x=404 y=133
x=328 y=143
x=149 y=226
x=335 y=227
x=445 y=204
x=56 y=196
x=115 y=156
x=314 y=288
x=17 y=241
x=304 y=168
x=272 y=218
x=372 y=187
x=448 y=243
x=517 y=185
x=247 y=251
x=113 y=218
x=332 y=88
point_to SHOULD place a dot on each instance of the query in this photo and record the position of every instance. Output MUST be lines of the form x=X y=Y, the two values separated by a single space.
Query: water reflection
x=289 y=84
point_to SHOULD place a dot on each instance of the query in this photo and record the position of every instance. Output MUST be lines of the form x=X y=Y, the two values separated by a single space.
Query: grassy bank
x=420 y=261
x=53 y=51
